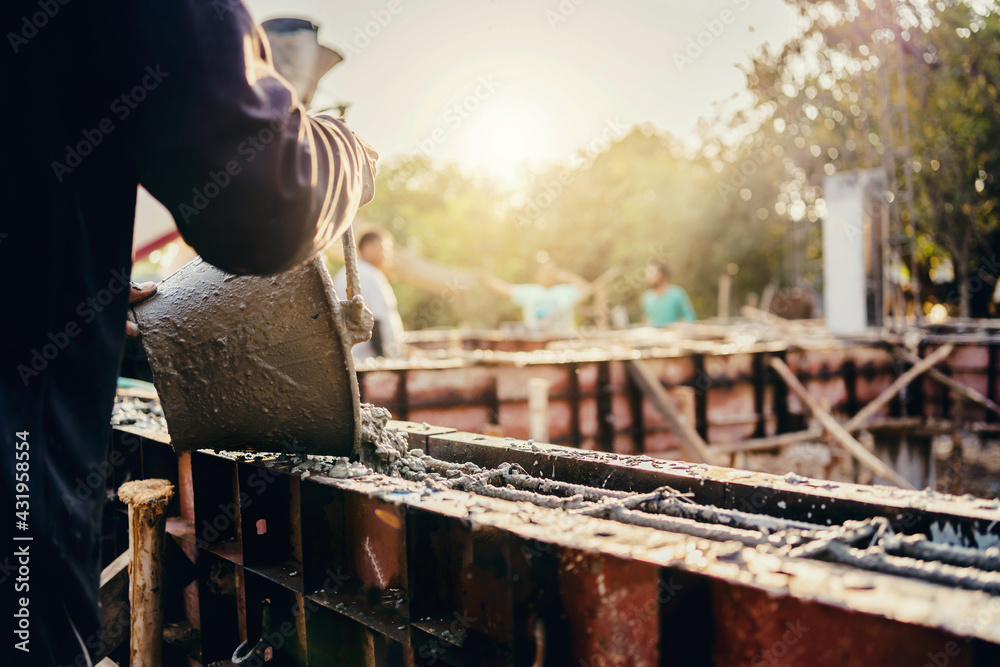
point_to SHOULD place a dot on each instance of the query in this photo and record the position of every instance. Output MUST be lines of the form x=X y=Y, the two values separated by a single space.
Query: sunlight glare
x=507 y=135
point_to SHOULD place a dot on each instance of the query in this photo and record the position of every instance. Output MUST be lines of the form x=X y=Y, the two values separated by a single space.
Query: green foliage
x=820 y=99
x=751 y=195
x=641 y=200
x=448 y=217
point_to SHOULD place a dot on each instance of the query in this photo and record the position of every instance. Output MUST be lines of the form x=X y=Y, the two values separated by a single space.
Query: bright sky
x=492 y=84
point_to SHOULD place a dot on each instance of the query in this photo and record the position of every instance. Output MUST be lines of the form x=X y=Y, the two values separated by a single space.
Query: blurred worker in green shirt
x=664 y=303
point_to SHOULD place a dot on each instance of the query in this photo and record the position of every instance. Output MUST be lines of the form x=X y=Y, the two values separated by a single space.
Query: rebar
x=918 y=546
x=940 y=573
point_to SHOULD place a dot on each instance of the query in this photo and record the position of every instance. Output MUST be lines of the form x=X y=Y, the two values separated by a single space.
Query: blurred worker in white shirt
x=375 y=253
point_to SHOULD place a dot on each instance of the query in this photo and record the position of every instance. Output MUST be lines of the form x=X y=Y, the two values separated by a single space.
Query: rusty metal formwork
x=377 y=570
x=727 y=391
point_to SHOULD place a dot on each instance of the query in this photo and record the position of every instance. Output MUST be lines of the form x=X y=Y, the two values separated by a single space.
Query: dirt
x=972 y=467
x=381 y=448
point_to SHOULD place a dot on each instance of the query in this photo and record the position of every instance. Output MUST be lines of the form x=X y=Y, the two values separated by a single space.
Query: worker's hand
x=137 y=293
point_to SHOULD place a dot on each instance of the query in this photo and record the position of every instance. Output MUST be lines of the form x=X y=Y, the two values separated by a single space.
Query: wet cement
x=249 y=361
x=868 y=545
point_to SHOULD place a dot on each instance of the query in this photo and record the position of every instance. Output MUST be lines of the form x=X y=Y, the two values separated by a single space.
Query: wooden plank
x=137 y=392
x=897 y=424
x=757 y=444
x=816 y=433
x=858 y=421
x=694 y=447
x=959 y=387
x=836 y=431
x=114 y=606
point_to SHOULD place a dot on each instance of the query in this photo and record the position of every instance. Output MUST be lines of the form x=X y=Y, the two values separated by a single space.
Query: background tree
x=749 y=197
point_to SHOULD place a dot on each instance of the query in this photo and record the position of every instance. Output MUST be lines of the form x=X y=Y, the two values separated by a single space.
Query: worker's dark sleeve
x=254 y=184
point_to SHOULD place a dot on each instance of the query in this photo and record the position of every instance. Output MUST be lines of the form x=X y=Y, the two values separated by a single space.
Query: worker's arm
x=589 y=289
x=581 y=283
x=501 y=287
x=687 y=310
x=254 y=184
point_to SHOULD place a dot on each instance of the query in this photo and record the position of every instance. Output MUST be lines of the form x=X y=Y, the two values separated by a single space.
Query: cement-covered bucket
x=254 y=363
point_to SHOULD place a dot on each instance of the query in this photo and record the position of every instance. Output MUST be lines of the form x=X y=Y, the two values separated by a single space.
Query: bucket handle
x=244 y=653
x=358 y=320
x=351 y=264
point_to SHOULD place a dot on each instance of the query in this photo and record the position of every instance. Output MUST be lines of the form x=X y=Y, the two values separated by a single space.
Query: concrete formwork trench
x=498 y=550
x=726 y=390
x=711 y=566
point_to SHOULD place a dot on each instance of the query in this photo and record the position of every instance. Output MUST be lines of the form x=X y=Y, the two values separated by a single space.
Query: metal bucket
x=255 y=363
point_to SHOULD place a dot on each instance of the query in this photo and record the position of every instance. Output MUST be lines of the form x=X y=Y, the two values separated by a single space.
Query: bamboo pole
x=769 y=442
x=147 y=502
x=836 y=431
x=858 y=421
x=538 y=409
x=959 y=387
x=725 y=290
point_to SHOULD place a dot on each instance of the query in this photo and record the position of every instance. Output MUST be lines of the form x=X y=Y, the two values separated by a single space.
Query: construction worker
x=181 y=97
x=664 y=303
x=548 y=303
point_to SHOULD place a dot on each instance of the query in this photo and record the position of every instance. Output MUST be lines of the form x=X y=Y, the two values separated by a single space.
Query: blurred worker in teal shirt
x=664 y=303
x=548 y=303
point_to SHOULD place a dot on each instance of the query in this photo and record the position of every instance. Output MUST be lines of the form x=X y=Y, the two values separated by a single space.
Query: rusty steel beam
x=376 y=570
x=691 y=441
